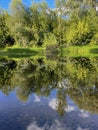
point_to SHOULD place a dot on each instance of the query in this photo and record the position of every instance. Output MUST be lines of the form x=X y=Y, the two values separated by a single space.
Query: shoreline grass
x=71 y=51
x=21 y=50
x=84 y=48
x=75 y=51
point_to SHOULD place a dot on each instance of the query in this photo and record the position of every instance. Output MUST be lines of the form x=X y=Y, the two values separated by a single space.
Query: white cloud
x=37 y=99
x=70 y=108
x=34 y=126
x=79 y=128
x=96 y=8
x=53 y=103
x=84 y=114
x=57 y=125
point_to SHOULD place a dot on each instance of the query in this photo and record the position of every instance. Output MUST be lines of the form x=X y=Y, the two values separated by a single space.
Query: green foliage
x=94 y=40
x=5 y=37
x=71 y=23
x=83 y=30
x=50 y=40
x=74 y=77
x=78 y=34
x=60 y=3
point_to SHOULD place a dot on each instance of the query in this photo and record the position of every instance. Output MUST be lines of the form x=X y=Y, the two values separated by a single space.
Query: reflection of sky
x=84 y=114
x=39 y=113
x=56 y=126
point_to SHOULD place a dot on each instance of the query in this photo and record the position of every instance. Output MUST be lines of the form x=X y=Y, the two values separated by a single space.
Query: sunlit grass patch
x=80 y=51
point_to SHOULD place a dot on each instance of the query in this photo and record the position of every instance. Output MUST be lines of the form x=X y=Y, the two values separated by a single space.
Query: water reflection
x=52 y=94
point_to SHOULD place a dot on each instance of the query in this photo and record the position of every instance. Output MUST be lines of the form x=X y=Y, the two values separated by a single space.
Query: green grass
x=75 y=51
x=71 y=51
x=3 y=51
x=21 y=50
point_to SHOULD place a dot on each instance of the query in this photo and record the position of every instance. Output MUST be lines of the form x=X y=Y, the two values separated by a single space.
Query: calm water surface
x=49 y=93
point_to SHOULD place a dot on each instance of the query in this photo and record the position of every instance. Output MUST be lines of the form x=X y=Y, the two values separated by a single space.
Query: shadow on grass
x=20 y=55
x=21 y=50
x=94 y=51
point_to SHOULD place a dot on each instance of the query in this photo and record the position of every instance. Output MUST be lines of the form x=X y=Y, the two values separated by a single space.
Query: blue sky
x=5 y=3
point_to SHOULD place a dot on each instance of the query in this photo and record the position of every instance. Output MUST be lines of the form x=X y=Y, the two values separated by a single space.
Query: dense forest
x=71 y=22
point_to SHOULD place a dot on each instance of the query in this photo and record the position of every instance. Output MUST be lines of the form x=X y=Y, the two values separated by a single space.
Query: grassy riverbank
x=80 y=51
x=21 y=50
x=72 y=51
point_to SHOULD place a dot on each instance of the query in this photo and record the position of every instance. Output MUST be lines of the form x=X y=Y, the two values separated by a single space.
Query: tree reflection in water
x=73 y=77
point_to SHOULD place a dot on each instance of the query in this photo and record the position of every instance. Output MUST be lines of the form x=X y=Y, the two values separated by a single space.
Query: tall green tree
x=20 y=19
x=5 y=37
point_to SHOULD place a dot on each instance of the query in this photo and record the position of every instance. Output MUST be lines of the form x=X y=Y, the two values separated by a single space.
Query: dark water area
x=49 y=93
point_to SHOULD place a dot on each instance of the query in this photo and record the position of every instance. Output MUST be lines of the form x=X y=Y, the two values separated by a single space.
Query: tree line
x=71 y=22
